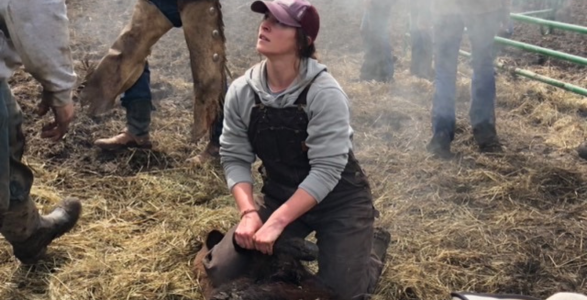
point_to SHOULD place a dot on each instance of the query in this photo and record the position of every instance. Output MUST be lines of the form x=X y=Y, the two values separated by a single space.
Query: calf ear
x=214 y=237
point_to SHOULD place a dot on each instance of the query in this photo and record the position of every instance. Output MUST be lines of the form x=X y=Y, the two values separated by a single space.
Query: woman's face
x=275 y=38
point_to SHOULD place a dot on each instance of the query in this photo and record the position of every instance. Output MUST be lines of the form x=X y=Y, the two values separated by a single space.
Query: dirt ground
x=574 y=43
x=512 y=222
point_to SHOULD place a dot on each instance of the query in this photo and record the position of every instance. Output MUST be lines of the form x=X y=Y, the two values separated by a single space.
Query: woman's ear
x=309 y=41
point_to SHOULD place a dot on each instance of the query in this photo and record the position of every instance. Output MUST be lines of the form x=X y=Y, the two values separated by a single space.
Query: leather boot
x=124 y=140
x=24 y=228
x=486 y=137
x=439 y=145
x=136 y=134
x=211 y=152
x=30 y=233
x=204 y=34
x=124 y=63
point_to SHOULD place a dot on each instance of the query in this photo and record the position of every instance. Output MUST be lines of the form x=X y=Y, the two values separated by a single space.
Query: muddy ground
x=512 y=222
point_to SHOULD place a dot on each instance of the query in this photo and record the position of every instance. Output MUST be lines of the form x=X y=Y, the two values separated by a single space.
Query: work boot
x=136 y=134
x=440 y=145
x=381 y=240
x=211 y=152
x=124 y=140
x=29 y=233
x=582 y=150
x=486 y=137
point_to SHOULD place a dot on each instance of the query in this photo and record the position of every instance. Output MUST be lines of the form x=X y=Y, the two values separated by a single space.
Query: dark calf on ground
x=280 y=276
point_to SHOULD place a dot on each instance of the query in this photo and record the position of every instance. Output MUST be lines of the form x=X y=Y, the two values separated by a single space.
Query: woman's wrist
x=246 y=212
x=280 y=219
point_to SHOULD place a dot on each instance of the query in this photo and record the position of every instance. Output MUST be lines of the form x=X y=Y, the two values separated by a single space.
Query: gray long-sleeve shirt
x=35 y=33
x=329 y=131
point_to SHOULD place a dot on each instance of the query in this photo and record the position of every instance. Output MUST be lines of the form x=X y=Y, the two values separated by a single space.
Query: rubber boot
x=124 y=63
x=29 y=233
x=211 y=152
x=204 y=34
x=136 y=134
x=24 y=228
x=486 y=137
x=582 y=150
x=439 y=145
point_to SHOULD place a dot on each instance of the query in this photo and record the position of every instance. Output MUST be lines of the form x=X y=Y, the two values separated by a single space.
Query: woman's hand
x=246 y=229
x=291 y=210
x=265 y=238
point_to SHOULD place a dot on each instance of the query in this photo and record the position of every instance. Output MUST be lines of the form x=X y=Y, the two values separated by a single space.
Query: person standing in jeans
x=378 y=62
x=421 y=38
x=483 y=19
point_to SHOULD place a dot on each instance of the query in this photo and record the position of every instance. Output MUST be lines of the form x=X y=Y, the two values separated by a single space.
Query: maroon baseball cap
x=295 y=13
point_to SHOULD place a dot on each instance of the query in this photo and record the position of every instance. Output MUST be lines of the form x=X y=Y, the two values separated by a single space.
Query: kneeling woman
x=294 y=116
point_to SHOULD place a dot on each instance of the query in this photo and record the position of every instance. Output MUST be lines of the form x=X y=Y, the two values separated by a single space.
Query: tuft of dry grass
x=511 y=222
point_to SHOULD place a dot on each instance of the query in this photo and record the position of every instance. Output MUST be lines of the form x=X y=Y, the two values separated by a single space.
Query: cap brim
x=276 y=10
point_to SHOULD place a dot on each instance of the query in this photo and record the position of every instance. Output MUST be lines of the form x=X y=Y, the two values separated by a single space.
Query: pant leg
x=223 y=263
x=21 y=218
x=170 y=10
x=125 y=61
x=344 y=231
x=482 y=29
x=4 y=153
x=137 y=101
x=218 y=123
x=140 y=90
x=204 y=34
x=378 y=61
x=448 y=32
x=421 y=36
x=21 y=177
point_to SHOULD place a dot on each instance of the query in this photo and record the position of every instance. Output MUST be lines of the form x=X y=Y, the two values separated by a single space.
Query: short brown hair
x=306 y=50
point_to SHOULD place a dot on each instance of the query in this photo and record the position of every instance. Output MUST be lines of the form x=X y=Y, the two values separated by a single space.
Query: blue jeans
x=378 y=61
x=170 y=9
x=448 y=32
x=421 y=37
x=141 y=89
